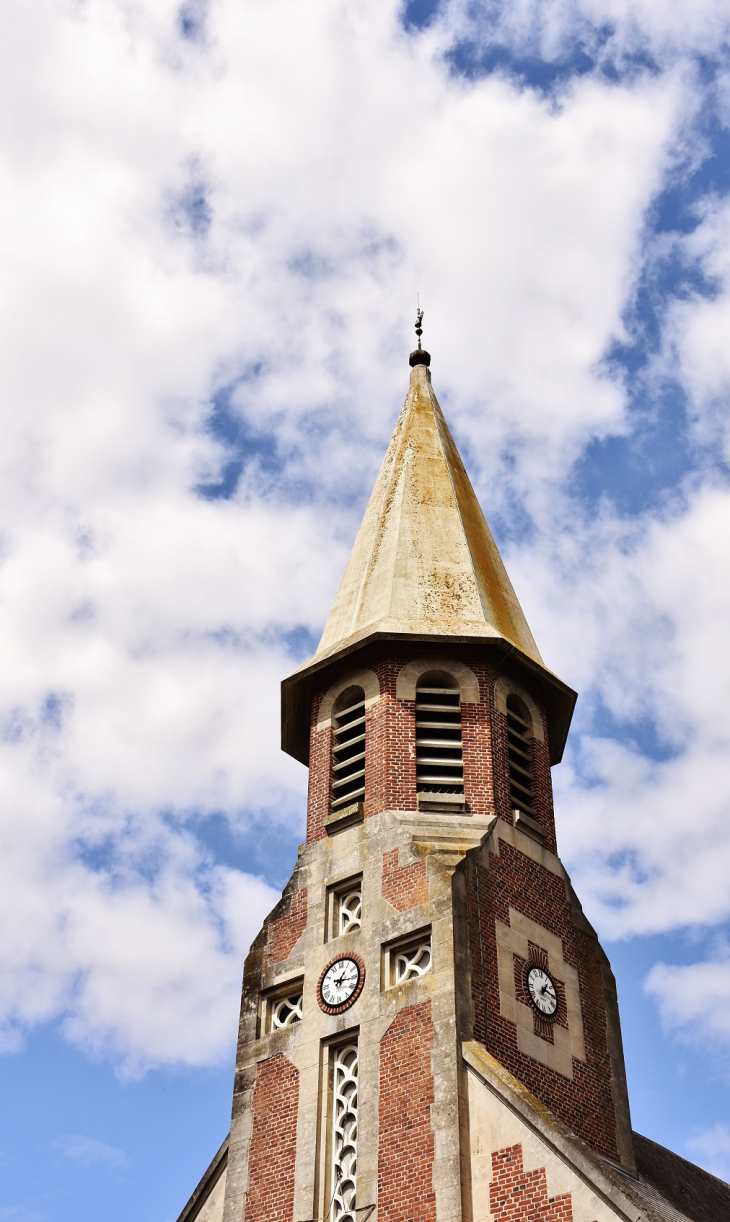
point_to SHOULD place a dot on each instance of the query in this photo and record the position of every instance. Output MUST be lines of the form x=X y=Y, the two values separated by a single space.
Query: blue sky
x=217 y=218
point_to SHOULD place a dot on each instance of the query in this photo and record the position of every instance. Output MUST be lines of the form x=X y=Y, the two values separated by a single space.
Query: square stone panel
x=513 y=940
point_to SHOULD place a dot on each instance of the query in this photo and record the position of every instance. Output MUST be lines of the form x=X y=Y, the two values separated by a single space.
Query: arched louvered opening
x=439 y=756
x=519 y=735
x=348 y=748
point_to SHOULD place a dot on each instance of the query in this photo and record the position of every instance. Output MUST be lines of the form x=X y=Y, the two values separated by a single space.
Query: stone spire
x=424 y=560
x=424 y=566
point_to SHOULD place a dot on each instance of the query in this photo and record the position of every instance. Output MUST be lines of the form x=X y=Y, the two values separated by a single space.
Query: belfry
x=429 y=1027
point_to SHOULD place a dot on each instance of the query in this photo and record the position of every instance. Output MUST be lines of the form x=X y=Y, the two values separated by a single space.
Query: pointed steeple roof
x=424 y=559
x=424 y=567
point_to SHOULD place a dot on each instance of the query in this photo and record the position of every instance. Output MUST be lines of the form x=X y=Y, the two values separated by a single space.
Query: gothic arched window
x=519 y=736
x=439 y=755
x=348 y=747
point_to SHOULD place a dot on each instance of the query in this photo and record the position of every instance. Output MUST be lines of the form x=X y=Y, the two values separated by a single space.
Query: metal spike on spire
x=419 y=356
x=419 y=328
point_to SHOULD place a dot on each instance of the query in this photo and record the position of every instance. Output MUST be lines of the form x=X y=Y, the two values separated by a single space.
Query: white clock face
x=542 y=991
x=340 y=981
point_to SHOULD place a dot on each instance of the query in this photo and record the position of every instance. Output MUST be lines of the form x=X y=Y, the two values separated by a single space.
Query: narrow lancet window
x=519 y=736
x=439 y=755
x=348 y=748
x=344 y=1134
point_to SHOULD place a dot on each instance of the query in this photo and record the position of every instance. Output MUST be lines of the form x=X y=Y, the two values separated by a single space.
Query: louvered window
x=519 y=736
x=439 y=758
x=348 y=750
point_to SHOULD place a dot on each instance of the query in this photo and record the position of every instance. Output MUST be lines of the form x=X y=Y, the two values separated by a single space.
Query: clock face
x=340 y=982
x=543 y=993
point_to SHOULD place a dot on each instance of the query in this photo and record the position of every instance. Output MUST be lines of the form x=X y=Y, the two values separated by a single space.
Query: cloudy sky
x=216 y=218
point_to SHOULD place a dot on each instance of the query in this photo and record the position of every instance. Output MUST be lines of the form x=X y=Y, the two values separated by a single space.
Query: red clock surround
x=358 y=990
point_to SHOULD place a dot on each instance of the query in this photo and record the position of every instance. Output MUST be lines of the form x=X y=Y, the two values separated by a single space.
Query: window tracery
x=286 y=1010
x=412 y=961
x=349 y=908
x=407 y=958
x=344 y=1134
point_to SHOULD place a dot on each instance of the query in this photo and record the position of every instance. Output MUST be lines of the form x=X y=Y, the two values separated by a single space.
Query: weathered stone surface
x=424 y=559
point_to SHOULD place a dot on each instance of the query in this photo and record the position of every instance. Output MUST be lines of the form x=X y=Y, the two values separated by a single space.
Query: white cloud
x=712 y=1147
x=634 y=617
x=697 y=325
x=694 y=1000
x=338 y=168
x=553 y=29
x=90 y=1151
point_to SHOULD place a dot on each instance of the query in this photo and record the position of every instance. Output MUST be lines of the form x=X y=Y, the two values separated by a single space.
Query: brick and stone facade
x=489 y=895
x=466 y=1103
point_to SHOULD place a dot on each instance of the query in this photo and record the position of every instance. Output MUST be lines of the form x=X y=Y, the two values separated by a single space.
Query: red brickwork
x=270 y=1195
x=517 y=1195
x=404 y=886
x=319 y=798
x=406 y=1146
x=390 y=762
x=285 y=932
x=584 y=1103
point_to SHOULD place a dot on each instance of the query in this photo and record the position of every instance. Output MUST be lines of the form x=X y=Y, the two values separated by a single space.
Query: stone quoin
x=470 y=1067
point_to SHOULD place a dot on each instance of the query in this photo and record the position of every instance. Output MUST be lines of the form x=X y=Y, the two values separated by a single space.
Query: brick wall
x=404 y=886
x=285 y=931
x=516 y=1195
x=390 y=763
x=270 y=1195
x=405 y=1137
x=585 y=1103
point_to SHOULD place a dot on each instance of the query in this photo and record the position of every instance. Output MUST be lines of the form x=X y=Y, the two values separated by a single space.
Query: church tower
x=429 y=1027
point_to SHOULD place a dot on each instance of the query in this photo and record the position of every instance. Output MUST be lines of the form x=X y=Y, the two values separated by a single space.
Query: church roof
x=424 y=560
x=690 y=1191
x=424 y=566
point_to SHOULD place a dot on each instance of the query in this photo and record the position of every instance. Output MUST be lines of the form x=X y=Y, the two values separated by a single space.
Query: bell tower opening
x=439 y=747
x=348 y=748
x=519 y=735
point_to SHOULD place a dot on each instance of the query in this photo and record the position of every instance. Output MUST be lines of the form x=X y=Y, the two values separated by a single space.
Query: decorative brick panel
x=405 y=1137
x=514 y=881
x=270 y=1195
x=517 y=1195
x=404 y=886
x=285 y=932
